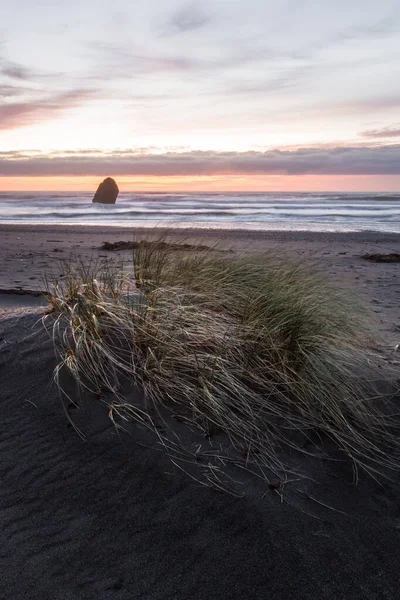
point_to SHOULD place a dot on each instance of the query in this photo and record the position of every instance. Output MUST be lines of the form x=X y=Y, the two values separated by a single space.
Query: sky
x=200 y=95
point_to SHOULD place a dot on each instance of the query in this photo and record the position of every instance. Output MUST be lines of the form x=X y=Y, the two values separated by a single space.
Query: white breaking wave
x=324 y=212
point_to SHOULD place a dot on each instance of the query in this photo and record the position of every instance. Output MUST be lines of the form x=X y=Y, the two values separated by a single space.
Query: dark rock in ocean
x=107 y=192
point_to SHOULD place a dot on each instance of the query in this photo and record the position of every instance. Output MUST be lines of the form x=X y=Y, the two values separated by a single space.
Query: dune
x=91 y=511
x=14 y=298
x=108 y=516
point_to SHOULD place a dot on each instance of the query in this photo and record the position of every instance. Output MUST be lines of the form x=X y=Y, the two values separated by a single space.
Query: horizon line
x=388 y=192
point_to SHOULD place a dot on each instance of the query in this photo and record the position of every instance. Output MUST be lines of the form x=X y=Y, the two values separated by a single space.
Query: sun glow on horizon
x=208 y=183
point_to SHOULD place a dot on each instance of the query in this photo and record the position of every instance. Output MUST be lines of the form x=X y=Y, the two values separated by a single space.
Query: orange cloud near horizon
x=209 y=183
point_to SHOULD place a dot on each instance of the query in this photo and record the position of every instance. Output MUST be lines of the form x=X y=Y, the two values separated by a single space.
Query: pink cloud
x=386 y=132
x=20 y=114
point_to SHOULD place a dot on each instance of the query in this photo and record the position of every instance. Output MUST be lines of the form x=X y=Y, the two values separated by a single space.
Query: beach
x=107 y=515
x=30 y=252
x=199 y=300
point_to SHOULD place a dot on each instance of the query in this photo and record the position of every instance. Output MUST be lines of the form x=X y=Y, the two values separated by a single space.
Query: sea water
x=257 y=211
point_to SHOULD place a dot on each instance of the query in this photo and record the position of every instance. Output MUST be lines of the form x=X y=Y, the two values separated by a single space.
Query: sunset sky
x=205 y=95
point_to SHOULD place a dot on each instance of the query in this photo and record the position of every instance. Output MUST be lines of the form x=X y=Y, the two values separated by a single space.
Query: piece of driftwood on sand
x=382 y=258
x=122 y=245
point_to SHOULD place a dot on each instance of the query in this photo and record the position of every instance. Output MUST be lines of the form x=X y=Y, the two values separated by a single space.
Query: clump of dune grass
x=260 y=348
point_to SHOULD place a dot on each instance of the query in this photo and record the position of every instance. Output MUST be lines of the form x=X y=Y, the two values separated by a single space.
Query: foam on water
x=257 y=211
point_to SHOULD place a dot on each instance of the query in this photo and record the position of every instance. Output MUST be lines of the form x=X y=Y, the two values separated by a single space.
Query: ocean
x=256 y=211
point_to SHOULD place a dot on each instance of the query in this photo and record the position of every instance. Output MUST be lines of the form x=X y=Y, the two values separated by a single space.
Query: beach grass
x=264 y=349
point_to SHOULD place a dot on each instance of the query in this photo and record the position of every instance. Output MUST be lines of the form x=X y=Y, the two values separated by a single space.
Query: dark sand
x=28 y=252
x=109 y=516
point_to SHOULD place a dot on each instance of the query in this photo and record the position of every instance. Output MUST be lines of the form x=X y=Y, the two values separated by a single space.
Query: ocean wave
x=366 y=211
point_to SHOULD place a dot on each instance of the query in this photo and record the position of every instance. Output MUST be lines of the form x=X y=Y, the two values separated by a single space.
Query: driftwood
x=23 y=292
x=382 y=258
x=121 y=245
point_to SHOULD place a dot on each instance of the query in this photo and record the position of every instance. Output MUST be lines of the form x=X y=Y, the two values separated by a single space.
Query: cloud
x=328 y=109
x=125 y=61
x=381 y=160
x=21 y=114
x=118 y=62
x=10 y=91
x=286 y=80
x=18 y=154
x=382 y=28
x=15 y=71
x=386 y=132
x=113 y=61
x=378 y=30
x=188 y=18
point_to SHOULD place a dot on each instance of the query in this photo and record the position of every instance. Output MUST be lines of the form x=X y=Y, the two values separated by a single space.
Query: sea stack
x=107 y=192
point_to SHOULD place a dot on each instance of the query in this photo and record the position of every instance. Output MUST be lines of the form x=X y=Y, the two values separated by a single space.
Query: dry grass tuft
x=264 y=350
